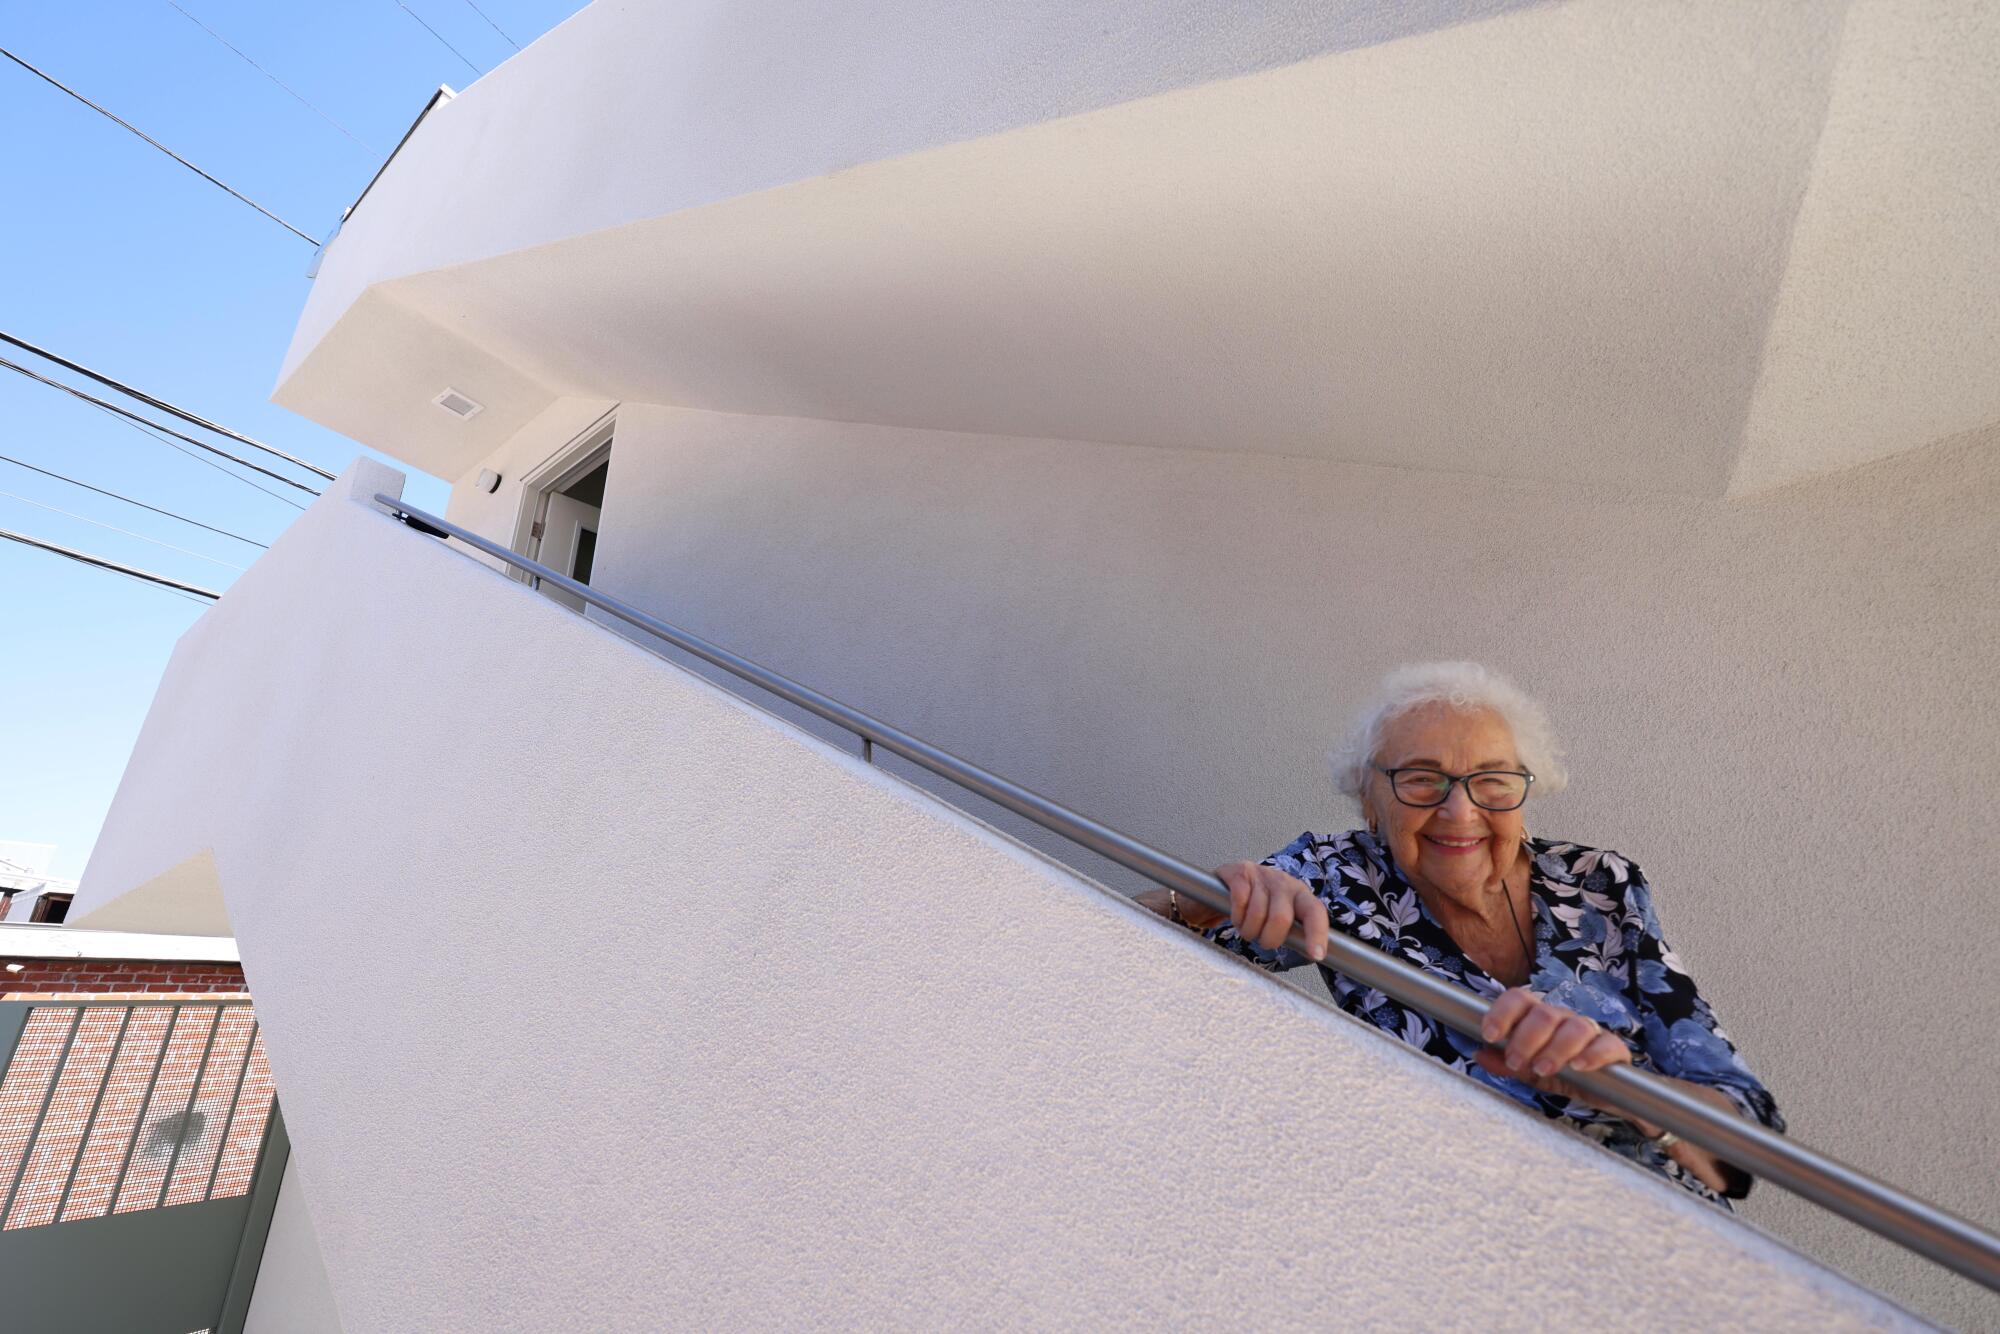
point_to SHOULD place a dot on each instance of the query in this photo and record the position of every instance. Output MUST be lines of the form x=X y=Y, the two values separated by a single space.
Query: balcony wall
x=1763 y=700
x=807 y=1046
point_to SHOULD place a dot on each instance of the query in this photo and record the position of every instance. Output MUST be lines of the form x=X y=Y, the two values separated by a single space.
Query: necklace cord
x=1514 y=918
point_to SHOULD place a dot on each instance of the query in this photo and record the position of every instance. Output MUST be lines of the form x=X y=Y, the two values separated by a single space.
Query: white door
x=569 y=544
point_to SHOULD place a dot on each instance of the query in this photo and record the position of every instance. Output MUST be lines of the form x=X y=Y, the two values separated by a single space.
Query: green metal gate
x=140 y=1155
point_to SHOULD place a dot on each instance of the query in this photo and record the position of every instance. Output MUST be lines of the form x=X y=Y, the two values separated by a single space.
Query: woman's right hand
x=1265 y=903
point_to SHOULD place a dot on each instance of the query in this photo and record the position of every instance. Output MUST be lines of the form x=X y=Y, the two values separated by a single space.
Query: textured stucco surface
x=1778 y=707
x=843 y=1056
x=1543 y=244
x=1887 y=329
x=292 y=1295
x=1688 y=247
x=630 y=110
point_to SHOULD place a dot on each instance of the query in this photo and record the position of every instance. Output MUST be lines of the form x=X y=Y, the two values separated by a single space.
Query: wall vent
x=458 y=405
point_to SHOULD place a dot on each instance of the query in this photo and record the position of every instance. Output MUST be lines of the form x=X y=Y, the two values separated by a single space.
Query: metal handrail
x=1924 y=1228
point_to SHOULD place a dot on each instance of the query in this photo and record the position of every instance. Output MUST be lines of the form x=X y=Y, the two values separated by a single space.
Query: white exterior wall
x=816 y=1050
x=1689 y=247
x=1877 y=337
x=292 y=1295
x=706 y=101
x=1779 y=708
x=71 y=940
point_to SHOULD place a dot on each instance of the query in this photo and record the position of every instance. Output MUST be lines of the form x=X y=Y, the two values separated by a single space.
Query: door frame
x=563 y=467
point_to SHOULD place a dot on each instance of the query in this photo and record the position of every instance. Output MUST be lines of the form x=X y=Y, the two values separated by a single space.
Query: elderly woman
x=1561 y=938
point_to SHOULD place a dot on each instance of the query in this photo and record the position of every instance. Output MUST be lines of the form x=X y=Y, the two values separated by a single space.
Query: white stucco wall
x=1356 y=255
x=1777 y=707
x=1878 y=339
x=1690 y=247
x=292 y=1295
x=705 y=101
x=814 y=1050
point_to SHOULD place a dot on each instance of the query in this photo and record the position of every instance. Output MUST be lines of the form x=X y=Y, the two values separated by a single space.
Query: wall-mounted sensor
x=489 y=481
x=458 y=405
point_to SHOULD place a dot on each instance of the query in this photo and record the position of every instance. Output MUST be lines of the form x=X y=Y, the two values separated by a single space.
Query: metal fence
x=117 y=1106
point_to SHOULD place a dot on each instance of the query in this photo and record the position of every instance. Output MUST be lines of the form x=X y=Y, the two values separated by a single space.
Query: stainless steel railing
x=1922 y=1227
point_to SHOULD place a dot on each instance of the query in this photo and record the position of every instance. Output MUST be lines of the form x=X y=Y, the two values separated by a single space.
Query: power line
x=131 y=570
x=112 y=527
x=440 y=36
x=297 y=96
x=211 y=463
x=157 y=144
x=162 y=405
x=152 y=434
x=129 y=501
x=135 y=417
x=113 y=407
x=491 y=24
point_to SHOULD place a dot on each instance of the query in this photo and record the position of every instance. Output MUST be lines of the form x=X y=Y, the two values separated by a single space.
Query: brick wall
x=96 y=977
x=109 y=1107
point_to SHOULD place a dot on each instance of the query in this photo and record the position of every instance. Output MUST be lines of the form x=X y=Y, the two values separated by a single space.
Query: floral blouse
x=1598 y=951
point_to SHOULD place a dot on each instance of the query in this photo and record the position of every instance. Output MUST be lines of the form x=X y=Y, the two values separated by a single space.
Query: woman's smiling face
x=1459 y=850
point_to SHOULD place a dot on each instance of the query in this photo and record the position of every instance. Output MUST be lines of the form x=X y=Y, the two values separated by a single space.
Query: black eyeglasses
x=1489 y=789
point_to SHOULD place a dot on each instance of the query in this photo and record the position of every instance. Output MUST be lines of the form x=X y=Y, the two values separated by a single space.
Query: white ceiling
x=1695 y=249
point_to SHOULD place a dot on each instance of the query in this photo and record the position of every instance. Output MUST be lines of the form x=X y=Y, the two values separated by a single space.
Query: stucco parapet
x=892 y=1062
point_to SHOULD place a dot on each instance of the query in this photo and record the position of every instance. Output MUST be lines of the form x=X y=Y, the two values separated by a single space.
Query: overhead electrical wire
x=440 y=36
x=57 y=83
x=205 y=462
x=160 y=403
x=135 y=417
x=152 y=434
x=491 y=24
x=224 y=532
x=296 y=95
x=112 y=527
x=133 y=571
x=113 y=407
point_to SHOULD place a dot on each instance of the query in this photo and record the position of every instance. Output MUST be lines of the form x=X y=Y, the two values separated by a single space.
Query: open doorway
x=566 y=502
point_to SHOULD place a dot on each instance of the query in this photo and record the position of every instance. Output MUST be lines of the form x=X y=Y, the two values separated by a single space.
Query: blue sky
x=113 y=255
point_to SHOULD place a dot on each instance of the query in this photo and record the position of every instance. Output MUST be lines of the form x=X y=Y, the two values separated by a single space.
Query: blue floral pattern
x=1598 y=950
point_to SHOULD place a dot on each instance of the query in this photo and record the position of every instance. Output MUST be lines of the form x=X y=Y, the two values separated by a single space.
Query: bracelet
x=1174 y=908
x=1665 y=1140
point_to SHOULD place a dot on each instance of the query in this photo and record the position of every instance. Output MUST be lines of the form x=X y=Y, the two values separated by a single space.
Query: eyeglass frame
x=1456 y=780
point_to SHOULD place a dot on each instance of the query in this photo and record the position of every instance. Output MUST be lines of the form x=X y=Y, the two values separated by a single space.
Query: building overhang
x=1693 y=253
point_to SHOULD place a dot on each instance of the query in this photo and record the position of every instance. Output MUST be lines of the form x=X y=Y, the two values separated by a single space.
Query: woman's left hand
x=1535 y=1041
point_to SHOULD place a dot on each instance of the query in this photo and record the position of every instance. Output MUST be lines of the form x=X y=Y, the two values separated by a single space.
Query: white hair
x=1465 y=686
